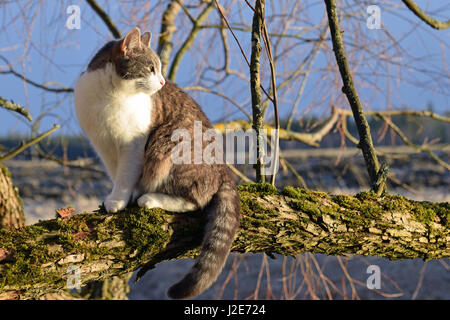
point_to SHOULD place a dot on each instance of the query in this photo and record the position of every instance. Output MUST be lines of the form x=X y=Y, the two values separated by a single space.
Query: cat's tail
x=223 y=214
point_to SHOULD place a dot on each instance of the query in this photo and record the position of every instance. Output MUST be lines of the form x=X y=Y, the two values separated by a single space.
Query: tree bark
x=34 y=260
x=11 y=208
x=377 y=176
x=255 y=88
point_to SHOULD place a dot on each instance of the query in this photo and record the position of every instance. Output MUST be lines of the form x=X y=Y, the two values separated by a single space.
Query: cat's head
x=133 y=62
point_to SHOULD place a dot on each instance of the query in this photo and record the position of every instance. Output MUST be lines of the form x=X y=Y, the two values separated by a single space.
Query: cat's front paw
x=113 y=206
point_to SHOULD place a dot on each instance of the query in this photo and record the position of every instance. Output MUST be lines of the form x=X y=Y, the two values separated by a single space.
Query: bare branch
x=255 y=87
x=27 y=144
x=412 y=145
x=33 y=83
x=434 y=23
x=168 y=29
x=190 y=39
x=9 y=105
x=310 y=139
x=365 y=136
x=105 y=18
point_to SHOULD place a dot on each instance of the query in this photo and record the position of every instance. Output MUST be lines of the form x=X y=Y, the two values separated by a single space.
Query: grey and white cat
x=129 y=112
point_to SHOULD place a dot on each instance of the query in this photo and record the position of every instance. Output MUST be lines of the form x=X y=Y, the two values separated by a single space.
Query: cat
x=129 y=112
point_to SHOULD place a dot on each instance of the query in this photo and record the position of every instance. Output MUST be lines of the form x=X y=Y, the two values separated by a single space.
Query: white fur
x=166 y=202
x=117 y=118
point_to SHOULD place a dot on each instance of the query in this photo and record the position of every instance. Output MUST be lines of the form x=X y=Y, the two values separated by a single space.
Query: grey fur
x=209 y=186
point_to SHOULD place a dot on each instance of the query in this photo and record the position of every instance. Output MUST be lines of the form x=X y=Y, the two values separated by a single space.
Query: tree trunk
x=11 y=208
x=36 y=258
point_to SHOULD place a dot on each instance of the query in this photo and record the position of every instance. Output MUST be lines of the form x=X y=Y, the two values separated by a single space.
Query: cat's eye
x=152 y=69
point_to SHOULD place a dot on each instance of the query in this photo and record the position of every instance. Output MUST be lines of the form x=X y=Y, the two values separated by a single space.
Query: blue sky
x=41 y=61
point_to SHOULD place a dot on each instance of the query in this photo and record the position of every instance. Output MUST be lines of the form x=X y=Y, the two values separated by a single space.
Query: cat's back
x=174 y=104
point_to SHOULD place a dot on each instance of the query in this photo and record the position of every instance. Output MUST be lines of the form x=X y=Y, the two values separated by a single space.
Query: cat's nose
x=162 y=82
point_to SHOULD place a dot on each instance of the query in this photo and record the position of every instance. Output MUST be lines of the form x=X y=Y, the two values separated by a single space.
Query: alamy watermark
x=74 y=20
x=233 y=147
x=74 y=279
x=374 y=19
x=374 y=280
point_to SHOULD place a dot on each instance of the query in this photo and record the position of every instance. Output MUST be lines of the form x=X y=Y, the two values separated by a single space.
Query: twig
x=237 y=105
x=310 y=139
x=391 y=113
x=312 y=56
x=188 y=42
x=419 y=284
x=106 y=19
x=274 y=92
x=239 y=174
x=434 y=23
x=412 y=145
x=9 y=105
x=240 y=47
x=33 y=83
x=27 y=144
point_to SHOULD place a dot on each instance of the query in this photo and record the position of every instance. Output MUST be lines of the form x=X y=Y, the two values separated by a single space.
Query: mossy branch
x=34 y=260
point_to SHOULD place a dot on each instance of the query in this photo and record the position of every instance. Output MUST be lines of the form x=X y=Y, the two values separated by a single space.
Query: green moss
x=423 y=214
x=347 y=201
x=250 y=207
x=395 y=202
x=6 y=172
x=53 y=239
x=443 y=212
x=371 y=209
x=28 y=254
x=302 y=194
x=364 y=195
x=145 y=228
x=308 y=207
x=259 y=188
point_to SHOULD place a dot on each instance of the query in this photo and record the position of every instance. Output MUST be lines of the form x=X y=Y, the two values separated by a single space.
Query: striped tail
x=223 y=221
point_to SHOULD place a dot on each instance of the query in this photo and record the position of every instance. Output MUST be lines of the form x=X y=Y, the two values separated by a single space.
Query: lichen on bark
x=288 y=222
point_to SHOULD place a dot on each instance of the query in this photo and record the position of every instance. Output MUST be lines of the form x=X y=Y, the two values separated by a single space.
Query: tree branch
x=36 y=258
x=255 y=85
x=9 y=105
x=311 y=139
x=189 y=40
x=105 y=18
x=365 y=138
x=434 y=23
x=168 y=29
x=11 y=154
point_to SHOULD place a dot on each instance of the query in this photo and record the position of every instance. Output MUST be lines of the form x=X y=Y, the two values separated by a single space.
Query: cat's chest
x=116 y=118
x=126 y=116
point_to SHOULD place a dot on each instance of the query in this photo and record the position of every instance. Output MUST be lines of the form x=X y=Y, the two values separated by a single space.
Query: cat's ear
x=146 y=38
x=131 y=41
